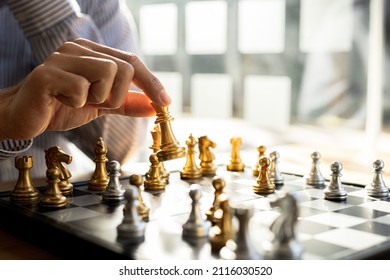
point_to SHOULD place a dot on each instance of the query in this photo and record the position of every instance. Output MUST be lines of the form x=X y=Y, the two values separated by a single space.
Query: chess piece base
x=23 y=198
x=268 y=189
x=291 y=250
x=318 y=182
x=113 y=196
x=237 y=167
x=97 y=185
x=165 y=155
x=195 y=231
x=66 y=188
x=192 y=174
x=54 y=203
x=339 y=196
x=132 y=233
x=377 y=193
x=154 y=186
x=208 y=170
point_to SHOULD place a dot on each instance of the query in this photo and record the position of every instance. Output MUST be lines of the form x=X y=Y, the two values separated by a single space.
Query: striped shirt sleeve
x=11 y=148
x=47 y=24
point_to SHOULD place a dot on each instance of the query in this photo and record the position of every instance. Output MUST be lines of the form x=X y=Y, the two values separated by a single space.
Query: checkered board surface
x=356 y=228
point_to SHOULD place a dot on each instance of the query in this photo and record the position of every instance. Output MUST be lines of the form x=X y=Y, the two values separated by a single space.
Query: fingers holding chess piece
x=263 y=183
x=377 y=188
x=53 y=197
x=236 y=163
x=99 y=179
x=335 y=190
x=24 y=191
x=170 y=148
x=143 y=210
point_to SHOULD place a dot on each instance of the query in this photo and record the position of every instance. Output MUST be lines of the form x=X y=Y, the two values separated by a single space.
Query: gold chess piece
x=190 y=170
x=170 y=147
x=236 y=163
x=261 y=150
x=99 y=179
x=143 y=210
x=53 y=197
x=263 y=183
x=24 y=192
x=156 y=135
x=54 y=157
x=222 y=231
x=207 y=166
x=219 y=186
x=154 y=182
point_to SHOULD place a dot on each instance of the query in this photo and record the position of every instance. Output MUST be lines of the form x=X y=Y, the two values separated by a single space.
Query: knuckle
x=66 y=47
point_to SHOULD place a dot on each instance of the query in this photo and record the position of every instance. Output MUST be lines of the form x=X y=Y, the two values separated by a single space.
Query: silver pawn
x=196 y=226
x=276 y=176
x=114 y=191
x=241 y=247
x=378 y=187
x=315 y=178
x=335 y=189
x=132 y=228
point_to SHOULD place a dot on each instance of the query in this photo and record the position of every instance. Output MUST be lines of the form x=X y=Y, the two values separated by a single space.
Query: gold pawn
x=99 y=179
x=263 y=183
x=53 y=197
x=154 y=182
x=24 y=192
x=190 y=169
x=156 y=135
x=261 y=150
x=143 y=210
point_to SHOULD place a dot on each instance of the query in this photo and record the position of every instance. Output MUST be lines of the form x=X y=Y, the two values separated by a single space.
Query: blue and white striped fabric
x=30 y=30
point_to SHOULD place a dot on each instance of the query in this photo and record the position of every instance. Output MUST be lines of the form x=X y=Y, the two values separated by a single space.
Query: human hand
x=79 y=82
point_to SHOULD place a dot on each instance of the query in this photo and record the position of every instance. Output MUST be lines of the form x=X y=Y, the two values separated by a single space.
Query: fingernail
x=165 y=98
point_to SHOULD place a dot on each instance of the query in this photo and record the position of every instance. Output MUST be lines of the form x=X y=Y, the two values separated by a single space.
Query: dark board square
x=374 y=227
x=361 y=212
x=321 y=248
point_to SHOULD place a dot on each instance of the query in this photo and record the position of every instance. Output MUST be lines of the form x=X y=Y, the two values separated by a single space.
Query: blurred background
x=307 y=74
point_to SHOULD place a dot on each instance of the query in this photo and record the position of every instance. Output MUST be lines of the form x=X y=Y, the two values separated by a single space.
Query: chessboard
x=356 y=228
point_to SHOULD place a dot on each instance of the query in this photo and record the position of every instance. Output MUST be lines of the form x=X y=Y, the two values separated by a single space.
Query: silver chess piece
x=132 y=228
x=114 y=191
x=335 y=189
x=284 y=244
x=378 y=187
x=196 y=226
x=315 y=178
x=241 y=247
x=275 y=175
